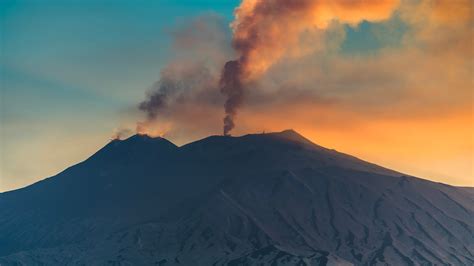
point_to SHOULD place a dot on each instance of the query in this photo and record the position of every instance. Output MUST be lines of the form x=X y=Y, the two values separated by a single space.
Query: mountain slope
x=276 y=199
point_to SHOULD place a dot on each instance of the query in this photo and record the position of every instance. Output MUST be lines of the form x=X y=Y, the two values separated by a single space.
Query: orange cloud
x=438 y=12
x=265 y=30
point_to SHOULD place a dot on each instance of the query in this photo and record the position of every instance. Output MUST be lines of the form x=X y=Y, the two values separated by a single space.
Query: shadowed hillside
x=272 y=199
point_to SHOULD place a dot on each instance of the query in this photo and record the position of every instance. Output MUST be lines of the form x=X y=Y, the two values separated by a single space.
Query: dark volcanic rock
x=271 y=199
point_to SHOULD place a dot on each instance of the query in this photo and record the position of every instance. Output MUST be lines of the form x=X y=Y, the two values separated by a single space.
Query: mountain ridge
x=259 y=198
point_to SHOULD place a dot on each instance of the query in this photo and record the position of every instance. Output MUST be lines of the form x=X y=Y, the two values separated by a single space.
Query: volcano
x=261 y=199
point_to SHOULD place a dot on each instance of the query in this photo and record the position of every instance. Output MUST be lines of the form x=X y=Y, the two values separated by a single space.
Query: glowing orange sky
x=440 y=149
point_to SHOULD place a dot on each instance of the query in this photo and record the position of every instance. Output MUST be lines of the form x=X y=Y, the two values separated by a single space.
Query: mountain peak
x=138 y=144
x=143 y=139
x=290 y=134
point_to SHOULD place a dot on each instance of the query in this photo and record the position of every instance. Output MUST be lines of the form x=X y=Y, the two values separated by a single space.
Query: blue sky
x=70 y=52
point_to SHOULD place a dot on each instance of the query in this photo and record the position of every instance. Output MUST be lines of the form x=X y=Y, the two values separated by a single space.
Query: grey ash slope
x=258 y=199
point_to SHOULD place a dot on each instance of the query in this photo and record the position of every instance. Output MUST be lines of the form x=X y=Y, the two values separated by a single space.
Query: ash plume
x=156 y=101
x=178 y=83
x=232 y=88
x=188 y=86
x=264 y=31
x=160 y=93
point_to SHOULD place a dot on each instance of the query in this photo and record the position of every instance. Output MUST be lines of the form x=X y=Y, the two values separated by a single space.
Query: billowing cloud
x=264 y=31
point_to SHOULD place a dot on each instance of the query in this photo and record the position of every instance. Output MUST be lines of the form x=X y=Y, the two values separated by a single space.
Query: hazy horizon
x=124 y=138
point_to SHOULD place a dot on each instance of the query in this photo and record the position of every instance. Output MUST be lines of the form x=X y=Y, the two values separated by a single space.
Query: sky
x=390 y=83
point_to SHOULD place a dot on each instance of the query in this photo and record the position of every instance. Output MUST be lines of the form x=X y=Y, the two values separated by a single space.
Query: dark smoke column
x=232 y=88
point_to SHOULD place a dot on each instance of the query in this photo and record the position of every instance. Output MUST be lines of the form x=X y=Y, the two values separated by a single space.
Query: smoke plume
x=231 y=86
x=176 y=83
x=266 y=30
x=190 y=80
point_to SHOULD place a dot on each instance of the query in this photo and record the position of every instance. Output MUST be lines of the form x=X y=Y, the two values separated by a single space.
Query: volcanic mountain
x=263 y=199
